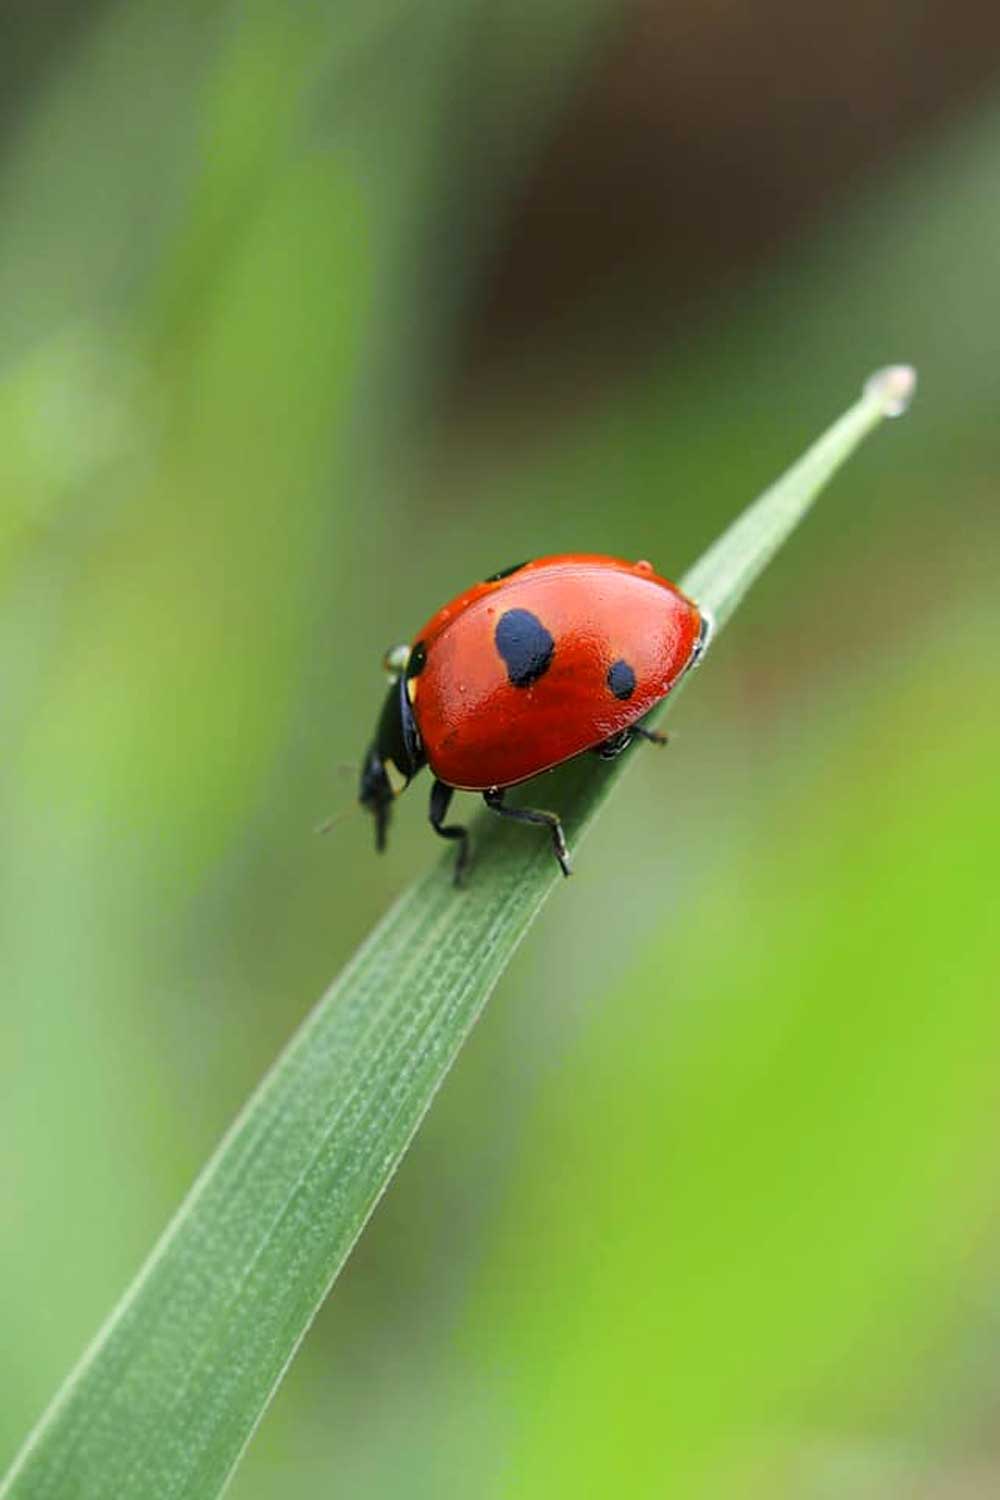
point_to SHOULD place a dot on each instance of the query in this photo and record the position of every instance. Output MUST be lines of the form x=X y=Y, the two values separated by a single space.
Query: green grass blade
x=168 y=1396
x=721 y=577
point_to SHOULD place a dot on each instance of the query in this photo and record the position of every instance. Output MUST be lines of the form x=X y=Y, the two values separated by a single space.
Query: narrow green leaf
x=721 y=577
x=167 y=1398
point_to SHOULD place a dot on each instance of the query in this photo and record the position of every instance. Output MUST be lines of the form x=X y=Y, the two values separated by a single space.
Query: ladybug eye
x=395 y=661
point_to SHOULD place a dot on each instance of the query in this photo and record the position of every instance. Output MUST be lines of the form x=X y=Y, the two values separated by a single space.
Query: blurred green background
x=311 y=314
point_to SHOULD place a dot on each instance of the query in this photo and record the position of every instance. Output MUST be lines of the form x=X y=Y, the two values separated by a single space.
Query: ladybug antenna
x=343 y=768
x=330 y=823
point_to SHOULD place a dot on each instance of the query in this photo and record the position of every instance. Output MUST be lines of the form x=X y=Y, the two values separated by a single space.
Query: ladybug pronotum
x=533 y=666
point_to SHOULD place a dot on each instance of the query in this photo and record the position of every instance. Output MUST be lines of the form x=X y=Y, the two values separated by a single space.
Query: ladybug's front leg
x=441 y=795
x=550 y=820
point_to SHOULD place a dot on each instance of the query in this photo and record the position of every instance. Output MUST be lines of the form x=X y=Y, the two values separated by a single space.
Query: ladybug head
x=392 y=759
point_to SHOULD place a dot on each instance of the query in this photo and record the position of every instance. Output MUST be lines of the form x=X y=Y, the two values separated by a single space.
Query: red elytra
x=480 y=729
x=524 y=671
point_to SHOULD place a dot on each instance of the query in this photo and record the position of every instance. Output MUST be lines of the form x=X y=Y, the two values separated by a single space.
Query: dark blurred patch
x=34 y=38
x=702 y=137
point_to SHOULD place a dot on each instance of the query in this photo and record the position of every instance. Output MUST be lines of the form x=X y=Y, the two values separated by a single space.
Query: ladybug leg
x=613 y=746
x=550 y=820
x=441 y=795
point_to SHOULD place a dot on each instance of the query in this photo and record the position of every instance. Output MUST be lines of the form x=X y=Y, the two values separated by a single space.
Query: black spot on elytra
x=417 y=661
x=621 y=679
x=506 y=572
x=525 y=645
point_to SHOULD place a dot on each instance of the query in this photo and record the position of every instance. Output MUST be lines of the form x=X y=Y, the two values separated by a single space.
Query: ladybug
x=537 y=664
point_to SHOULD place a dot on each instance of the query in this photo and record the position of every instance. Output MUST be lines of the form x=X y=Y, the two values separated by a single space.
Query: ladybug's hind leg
x=613 y=746
x=441 y=795
x=550 y=820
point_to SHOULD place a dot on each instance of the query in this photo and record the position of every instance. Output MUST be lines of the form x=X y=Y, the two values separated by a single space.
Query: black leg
x=550 y=820
x=381 y=811
x=613 y=746
x=441 y=795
